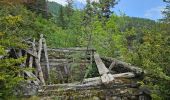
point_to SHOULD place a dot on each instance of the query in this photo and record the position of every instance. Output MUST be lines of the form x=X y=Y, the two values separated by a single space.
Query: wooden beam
x=127 y=75
x=103 y=71
x=90 y=83
x=40 y=47
x=100 y=65
x=112 y=65
x=46 y=59
x=38 y=66
x=107 y=78
x=73 y=49
x=31 y=53
x=134 y=69
x=30 y=61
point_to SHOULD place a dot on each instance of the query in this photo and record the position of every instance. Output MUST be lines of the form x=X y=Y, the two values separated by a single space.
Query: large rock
x=26 y=89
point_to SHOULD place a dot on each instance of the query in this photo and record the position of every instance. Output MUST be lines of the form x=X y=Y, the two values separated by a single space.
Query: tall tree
x=166 y=12
x=61 y=19
x=88 y=13
x=69 y=8
x=39 y=6
x=105 y=6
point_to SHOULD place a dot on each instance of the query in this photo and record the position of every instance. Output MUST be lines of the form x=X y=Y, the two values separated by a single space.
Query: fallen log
x=138 y=71
x=100 y=65
x=92 y=83
x=127 y=75
x=71 y=49
x=103 y=71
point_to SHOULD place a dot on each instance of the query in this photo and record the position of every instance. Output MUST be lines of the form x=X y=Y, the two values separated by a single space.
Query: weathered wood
x=74 y=86
x=59 y=60
x=40 y=47
x=31 y=53
x=114 y=76
x=20 y=53
x=100 y=65
x=30 y=62
x=89 y=83
x=103 y=71
x=54 y=63
x=112 y=65
x=32 y=76
x=128 y=66
x=47 y=60
x=107 y=78
x=66 y=69
x=72 y=49
x=38 y=66
x=124 y=75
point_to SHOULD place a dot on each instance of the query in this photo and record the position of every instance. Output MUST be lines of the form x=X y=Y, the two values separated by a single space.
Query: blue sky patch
x=136 y=8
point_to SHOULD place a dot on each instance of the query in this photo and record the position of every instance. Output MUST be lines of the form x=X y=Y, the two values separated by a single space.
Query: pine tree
x=166 y=12
x=69 y=8
x=88 y=13
x=61 y=18
x=105 y=6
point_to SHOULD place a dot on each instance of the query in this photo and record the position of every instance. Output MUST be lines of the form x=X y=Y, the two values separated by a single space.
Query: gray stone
x=26 y=89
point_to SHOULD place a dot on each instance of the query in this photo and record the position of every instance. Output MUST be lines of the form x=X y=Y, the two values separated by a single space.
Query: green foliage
x=77 y=67
x=54 y=8
x=166 y=12
x=92 y=71
x=9 y=68
x=151 y=55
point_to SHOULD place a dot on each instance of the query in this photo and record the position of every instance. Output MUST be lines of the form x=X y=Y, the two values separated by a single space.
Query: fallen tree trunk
x=100 y=65
x=92 y=83
x=114 y=76
x=129 y=67
x=103 y=71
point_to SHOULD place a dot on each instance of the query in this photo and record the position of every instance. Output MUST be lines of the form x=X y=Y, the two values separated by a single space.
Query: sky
x=141 y=8
x=135 y=8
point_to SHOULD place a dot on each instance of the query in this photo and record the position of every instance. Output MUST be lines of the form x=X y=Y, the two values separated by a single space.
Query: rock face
x=26 y=89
